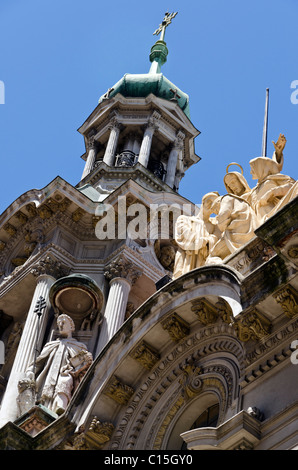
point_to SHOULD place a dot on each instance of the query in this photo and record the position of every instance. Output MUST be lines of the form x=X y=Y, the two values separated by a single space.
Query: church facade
x=132 y=321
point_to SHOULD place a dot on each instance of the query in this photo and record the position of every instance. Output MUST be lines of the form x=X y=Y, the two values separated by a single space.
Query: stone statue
x=59 y=367
x=235 y=217
x=273 y=189
x=195 y=237
x=203 y=240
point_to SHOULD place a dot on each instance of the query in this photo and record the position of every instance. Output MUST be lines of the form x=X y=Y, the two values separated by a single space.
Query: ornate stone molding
x=119 y=391
x=167 y=372
x=287 y=297
x=145 y=355
x=50 y=267
x=121 y=267
x=208 y=313
x=252 y=325
x=191 y=381
x=93 y=438
x=176 y=327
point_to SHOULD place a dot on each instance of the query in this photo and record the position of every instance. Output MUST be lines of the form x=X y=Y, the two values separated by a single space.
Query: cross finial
x=164 y=24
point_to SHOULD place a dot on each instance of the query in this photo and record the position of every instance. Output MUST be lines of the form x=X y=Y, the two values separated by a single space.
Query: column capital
x=179 y=140
x=91 y=143
x=123 y=268
x=153 y=120
x=49 y=266
x=114 y=122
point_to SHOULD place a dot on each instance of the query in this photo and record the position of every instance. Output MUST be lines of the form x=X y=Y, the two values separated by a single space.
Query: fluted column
x=109 y=156
x=91 y=147
x=122 y=274
x=46 y=272
x=173 y=159
x=147 y=139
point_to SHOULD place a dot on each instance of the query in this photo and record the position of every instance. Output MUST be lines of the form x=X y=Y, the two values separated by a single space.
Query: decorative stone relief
x=287 y=297
x=176 y=327
x=191 y=381
x=145 y=355
x=119 y=391
x=252 y=325
x=93 y=438
x=121 y=267
x=51 y=267
x=10 y=229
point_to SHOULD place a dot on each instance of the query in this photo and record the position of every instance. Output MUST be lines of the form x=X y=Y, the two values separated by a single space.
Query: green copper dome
x=142 y=85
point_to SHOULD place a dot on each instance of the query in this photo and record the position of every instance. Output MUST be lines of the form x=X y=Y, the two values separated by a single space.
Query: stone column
x=91 y=147
x=147 y=139
x=46 y=272
x=173 y=159
x=122 y=274
x=109 y=156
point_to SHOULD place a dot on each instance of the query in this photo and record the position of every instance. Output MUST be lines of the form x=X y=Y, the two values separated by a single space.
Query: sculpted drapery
x=203 y=240
x=59 y=367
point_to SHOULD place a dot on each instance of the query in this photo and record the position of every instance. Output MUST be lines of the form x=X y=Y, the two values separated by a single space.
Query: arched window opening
x=207 y=419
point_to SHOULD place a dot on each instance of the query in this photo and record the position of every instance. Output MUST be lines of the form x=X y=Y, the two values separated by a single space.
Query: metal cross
x=165 y=23
x=40 y=306
x=175 y=93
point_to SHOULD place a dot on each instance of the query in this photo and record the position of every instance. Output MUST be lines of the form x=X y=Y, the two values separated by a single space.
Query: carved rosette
x=252 y=325
x=145 y=355
x=121 y=267
x=176 y=327
x=119 y=391
x=287 y=297
x=51 y=267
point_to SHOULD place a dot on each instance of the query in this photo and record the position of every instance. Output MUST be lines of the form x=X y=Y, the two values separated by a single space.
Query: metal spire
x=265 y=128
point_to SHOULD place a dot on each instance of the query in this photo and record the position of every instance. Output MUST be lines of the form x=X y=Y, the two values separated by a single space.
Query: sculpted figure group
x=204 y=240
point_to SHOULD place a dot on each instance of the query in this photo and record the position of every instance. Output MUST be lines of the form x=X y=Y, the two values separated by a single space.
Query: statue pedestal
x=35 y=420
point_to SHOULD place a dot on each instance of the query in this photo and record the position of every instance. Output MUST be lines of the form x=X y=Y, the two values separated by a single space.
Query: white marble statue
x=204 y=240
x=195 y=237
x=273 y=189
x=59 y=367
x=235 y=219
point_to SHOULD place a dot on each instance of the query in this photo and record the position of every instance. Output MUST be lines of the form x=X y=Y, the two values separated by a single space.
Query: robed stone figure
x=59 y=367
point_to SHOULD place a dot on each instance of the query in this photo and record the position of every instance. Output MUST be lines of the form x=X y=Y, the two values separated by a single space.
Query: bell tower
x=140 y=130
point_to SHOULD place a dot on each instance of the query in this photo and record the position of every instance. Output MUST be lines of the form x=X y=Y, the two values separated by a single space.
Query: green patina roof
x=142 y=85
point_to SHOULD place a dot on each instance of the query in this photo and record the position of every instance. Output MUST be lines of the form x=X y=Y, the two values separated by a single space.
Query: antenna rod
x=265 y=128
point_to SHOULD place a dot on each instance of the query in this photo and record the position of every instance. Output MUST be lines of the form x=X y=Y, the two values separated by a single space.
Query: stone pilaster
x=122 y=274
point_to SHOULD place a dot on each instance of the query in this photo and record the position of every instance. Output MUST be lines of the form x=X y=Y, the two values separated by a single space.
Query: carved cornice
x=176 y=327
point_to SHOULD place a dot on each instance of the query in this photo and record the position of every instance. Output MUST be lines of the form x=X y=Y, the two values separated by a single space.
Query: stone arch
x=211 y=364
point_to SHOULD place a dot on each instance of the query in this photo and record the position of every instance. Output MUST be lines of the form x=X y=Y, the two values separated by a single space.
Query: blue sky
x=59 y=57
